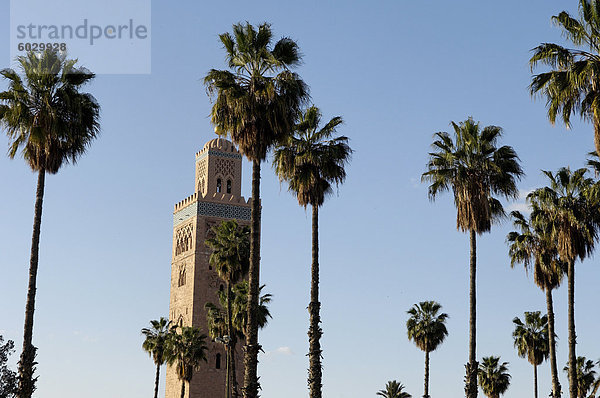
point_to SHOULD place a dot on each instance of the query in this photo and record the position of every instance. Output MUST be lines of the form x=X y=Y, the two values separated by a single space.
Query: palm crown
x=156 y=339
x=393 y=389
x=230 y=250
x=187 y=350
x=585 y=375
x=311 y=160
x=493 y=376
x=531 y=337
x=426 y=327
x=259 y=101
x=534 y=246
x=475 y=169
x=571 y=207
x=45 y=115
x=572 y=85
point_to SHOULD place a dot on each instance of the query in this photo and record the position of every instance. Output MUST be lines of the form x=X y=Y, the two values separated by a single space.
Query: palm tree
x=535 y=247
x=255 y=105
x=155 y=345
x=312 y=160
x=572 y=84
x=186 y=350
x=475 y=169
x=570 y=204
x=586 y=376
x=427 y=329
x=494 y=378
x=50 y=123
x=230 y=257
x=531 y=341
x=393 y=389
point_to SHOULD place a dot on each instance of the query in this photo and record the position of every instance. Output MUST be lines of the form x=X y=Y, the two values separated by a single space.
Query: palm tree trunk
x=552 y=348
x=27 y=362
x=597 y=136
x=426 y=393
x=572 y=336
x=251 y=384
x=233 y=368
x=471 y=367
x=595 y=390
x=230 y=364
x=535 y=383
x=227 y=372
x=182 y=388
x=156 y=380
x=314 y=331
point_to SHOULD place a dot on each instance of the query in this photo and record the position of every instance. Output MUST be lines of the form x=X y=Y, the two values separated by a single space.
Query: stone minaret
x=217 y=197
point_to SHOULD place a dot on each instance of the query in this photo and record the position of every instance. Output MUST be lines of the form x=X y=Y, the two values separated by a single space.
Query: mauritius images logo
x=106 y=36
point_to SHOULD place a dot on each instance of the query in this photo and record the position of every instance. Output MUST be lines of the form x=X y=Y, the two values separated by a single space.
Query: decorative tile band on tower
x=219 y=210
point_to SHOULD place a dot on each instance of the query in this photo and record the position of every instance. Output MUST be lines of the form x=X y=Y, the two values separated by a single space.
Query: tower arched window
x=218 y=185
x=218 y=361
x=181 y=280
x=221 y=288
x=228 y=186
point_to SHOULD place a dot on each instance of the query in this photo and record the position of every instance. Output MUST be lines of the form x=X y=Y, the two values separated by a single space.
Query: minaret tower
x=217 y=197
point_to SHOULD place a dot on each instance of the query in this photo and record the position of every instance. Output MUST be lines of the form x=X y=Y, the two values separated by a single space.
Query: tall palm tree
x=427 y=329
x=475 y=169
x=393 y=389
x=572 y=84
x=311 y=161
x=155 y=345
x=494 y=378
x=256 y=105
x=51 y=123
x=586 y=376
x=230 y=257
x=571 y=206
x=534 y=246
x=531 y=341
x=187 y=350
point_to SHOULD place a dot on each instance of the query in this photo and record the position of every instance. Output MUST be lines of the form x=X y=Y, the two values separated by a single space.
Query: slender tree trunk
x=595 y=390
x=535 y=383
x=233 y=368
x=314 y=331
x=230 y=363
x=27 y=361
x=251 y=385
x=471 y=367
x=227 y=372
x=426 y=393
x=182 y=388
x=552 y=348
x=156 y=380
x=597 y=135
x=572 y=336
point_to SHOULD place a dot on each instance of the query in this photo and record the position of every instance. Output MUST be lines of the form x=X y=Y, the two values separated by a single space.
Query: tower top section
x=218 y=184
x=218 y=145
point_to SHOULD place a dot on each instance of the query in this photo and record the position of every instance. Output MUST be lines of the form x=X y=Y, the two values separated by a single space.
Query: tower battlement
x=185 y=202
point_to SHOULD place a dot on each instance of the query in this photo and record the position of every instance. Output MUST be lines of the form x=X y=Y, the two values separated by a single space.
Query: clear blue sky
x=397 y=71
